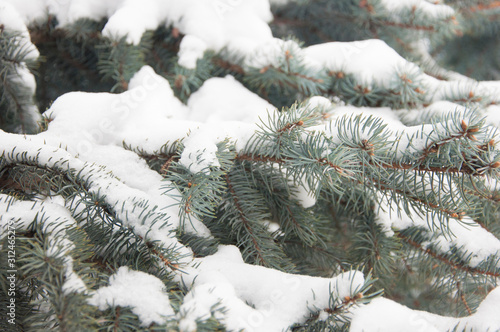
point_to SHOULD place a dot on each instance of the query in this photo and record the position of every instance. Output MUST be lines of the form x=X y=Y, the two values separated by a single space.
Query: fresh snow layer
x=272 y=53
x=437 y=109
x=92 y=128
x=229 y=110
x=238 y=26
x=145 y=218
x=369 y=60
x=206 y=104
x=239 y=29
x=143 y=293
x=493 y=115
x=385 y=315
x=257 y=298
x=148 y=116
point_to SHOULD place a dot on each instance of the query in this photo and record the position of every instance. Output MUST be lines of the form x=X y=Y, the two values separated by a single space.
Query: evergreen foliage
x=389 y=200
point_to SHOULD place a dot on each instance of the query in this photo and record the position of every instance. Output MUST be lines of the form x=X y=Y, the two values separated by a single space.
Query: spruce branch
x=307 y=194
x=245 y=221
x=445 y=260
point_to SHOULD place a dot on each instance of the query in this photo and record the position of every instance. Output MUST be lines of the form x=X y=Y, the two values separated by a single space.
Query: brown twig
x=445 y=260
x=117 y=318
x=166 y=166
x=166 y=261
x=346 y=303
x=462 y=298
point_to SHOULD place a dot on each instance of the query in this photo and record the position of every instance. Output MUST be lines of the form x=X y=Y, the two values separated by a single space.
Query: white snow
x=200 y=152
x=436 y=109
x=385 y=315
x=257 y=298
x=303 y=192
x=29 y=10
x=493 y=115
x=93 y=126
x=143 y=293
x=490 y=89
x=144 y=218
x=273 y=52
x=305 y=196
x=148 y=116
x=229 y=111
x=132 y=19
x=226 y=99
x=368 y=60
x=389 y=117
x=190 y=50
x=318 y=102
x=239 y=26
x=23 y=213
x=153 y=114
